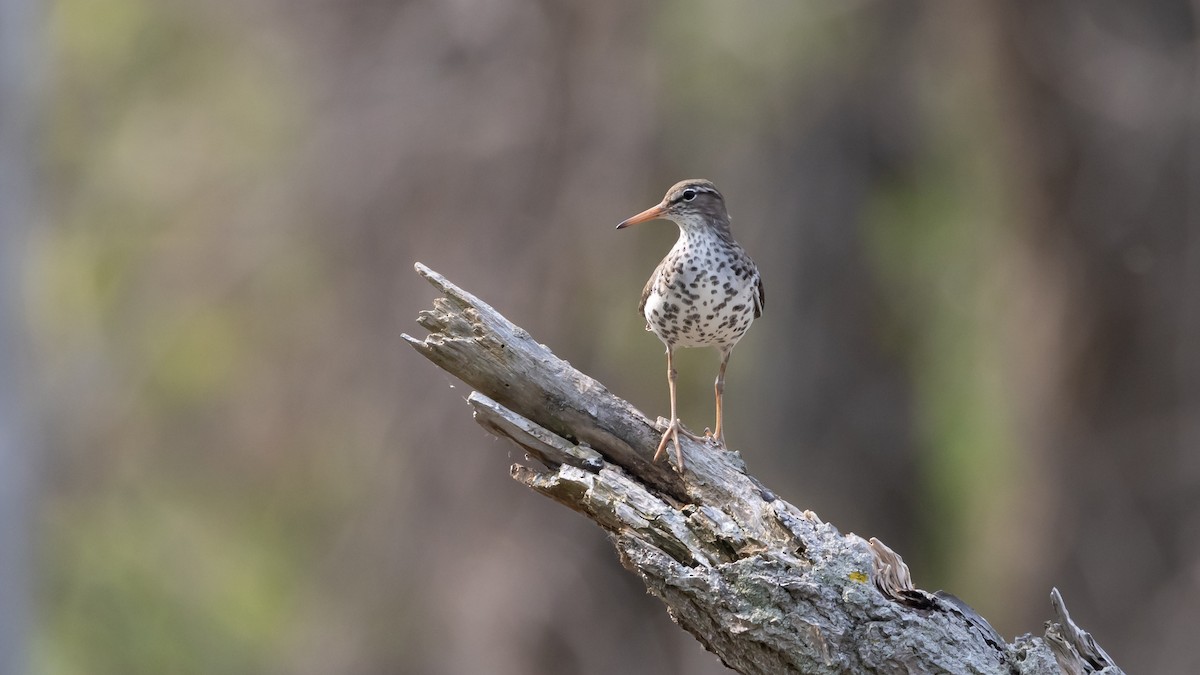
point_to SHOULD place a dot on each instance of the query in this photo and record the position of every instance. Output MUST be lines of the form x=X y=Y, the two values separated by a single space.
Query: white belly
x=699 y=309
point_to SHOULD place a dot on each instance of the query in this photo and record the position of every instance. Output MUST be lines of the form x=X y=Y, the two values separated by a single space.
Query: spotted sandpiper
x=705 y=293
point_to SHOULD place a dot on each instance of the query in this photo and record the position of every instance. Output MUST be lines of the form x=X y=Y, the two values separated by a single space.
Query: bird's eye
x=689 y=195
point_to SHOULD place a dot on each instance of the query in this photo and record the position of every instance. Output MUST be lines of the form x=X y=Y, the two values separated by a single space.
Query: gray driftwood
x=766 y=586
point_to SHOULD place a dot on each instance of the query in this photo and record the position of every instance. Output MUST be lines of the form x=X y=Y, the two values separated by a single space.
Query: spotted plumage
x=705 y=293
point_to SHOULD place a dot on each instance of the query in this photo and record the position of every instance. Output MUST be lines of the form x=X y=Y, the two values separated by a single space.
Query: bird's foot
x=672 y=434
x=683 y=431
x=713 y=439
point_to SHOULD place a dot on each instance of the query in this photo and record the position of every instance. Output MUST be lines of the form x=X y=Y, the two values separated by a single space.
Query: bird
x=705 y=293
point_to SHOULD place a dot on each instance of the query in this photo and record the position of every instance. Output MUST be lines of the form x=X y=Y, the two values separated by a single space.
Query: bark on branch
x=766 y=586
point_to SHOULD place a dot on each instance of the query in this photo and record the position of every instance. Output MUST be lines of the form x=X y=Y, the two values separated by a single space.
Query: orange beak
x=651 y=213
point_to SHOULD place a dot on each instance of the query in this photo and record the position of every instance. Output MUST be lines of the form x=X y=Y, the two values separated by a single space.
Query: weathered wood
x=1075 y=649
x=766 y=586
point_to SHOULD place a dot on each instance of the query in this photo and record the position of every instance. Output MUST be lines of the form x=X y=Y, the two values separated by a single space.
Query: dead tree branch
x=766 y=586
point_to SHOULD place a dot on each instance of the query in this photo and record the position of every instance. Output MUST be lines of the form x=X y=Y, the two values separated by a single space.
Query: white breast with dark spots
x=704 y=296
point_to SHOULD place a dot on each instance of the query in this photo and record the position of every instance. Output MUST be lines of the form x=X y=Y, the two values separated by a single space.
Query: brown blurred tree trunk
x=1103 y=181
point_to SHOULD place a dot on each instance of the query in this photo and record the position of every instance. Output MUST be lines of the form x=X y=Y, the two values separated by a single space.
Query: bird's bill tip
x=651 y=213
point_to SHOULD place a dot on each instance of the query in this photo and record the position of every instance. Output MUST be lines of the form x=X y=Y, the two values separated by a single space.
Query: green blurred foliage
x=933 y=244
x=163 y=114
x=166 y=582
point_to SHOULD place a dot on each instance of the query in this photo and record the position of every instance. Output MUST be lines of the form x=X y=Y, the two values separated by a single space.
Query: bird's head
x=693 y=204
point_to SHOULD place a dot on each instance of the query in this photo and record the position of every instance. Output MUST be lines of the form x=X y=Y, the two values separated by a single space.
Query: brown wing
x=646 y=293
x=760 y=300
x=650 y=285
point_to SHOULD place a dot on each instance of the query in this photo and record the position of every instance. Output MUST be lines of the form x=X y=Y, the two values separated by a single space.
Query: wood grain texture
x=766 y=586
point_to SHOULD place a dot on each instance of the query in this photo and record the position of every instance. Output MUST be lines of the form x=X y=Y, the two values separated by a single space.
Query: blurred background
x=979 y=225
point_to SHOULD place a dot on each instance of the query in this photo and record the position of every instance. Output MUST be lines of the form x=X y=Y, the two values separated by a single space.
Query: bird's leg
x=672 y=432
x=719 y=387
